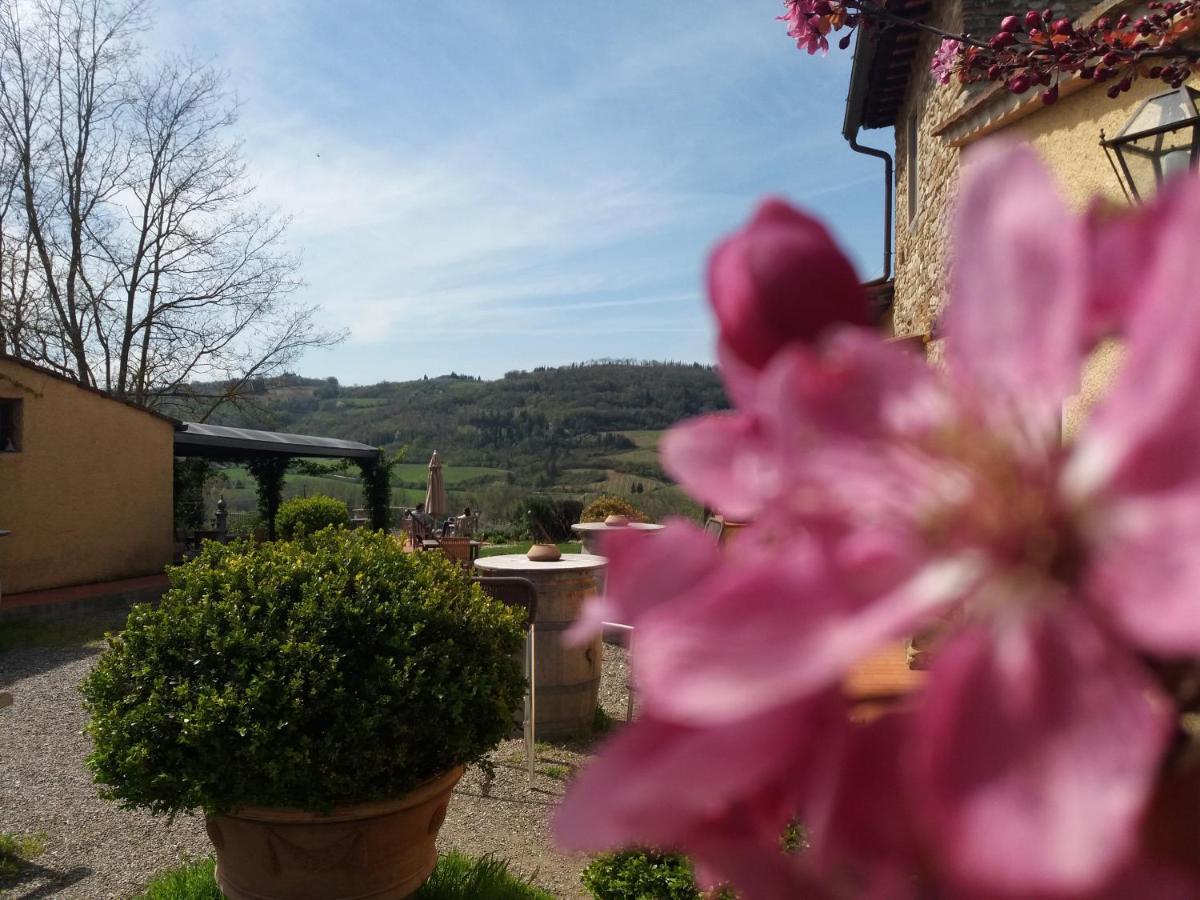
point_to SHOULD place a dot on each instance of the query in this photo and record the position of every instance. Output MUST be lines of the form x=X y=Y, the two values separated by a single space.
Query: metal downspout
x=852 y=137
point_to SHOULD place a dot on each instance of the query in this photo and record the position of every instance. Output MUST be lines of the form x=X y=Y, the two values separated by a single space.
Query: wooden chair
x=520 y=593
x=459 y=549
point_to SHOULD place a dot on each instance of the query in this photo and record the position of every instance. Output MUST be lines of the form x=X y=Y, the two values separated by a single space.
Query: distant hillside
x=579 y=429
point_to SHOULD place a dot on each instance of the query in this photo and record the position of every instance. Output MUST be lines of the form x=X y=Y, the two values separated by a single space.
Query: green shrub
x=606 y=505
x=639 y=875
x=335 y=670
x=302 y=516
x=552 y=519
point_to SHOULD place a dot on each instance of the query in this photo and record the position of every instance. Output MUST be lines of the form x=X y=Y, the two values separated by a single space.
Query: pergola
x=268 y=453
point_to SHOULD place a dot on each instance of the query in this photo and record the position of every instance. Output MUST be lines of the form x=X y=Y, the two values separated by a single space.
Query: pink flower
x=807 y=26
x=780 y=279
x=945 y=60
x=885 y=493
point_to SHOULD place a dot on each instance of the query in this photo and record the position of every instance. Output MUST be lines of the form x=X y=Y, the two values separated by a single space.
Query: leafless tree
x=132 y=255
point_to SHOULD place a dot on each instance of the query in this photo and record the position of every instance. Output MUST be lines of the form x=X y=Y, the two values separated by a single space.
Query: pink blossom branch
x=1029 y=50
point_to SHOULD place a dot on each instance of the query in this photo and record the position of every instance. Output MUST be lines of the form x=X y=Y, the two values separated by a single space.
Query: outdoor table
x=567 y=679
x=431 y=544
x=591 y=534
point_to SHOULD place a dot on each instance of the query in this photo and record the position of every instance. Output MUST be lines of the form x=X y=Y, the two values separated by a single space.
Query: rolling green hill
x=569 y=431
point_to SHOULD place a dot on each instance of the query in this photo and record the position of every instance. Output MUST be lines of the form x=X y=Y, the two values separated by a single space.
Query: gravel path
x=95 y=850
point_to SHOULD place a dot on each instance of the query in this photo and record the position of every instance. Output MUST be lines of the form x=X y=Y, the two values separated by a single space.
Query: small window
x=10 y=425
x=914 y=184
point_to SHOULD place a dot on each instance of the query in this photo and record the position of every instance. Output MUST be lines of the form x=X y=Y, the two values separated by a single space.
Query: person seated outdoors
x=423 y=522
x=464 y=525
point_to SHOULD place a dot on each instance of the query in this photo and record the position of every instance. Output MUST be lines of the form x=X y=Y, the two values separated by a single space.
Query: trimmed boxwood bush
x=606 y=505
x=639 y=874
x=302 y=516
x=334 y=670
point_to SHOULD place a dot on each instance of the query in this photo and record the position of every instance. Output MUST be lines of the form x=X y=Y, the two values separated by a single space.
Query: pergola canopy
x=224 y=442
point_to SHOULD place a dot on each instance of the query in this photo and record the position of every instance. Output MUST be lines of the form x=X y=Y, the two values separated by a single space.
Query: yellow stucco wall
x=1067 y=135
x=89 y=496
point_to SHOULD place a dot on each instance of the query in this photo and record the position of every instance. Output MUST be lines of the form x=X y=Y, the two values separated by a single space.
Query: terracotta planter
x=381 y=851
x=544 y=553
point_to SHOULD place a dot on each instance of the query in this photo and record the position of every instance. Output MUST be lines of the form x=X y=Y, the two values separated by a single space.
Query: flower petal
x=724 y=461
x=1018 y=289
x=1036 y=751
x=1145 y=572
x=661 y=784
x=767 y=628
x=1145 y=436
x=637 y=579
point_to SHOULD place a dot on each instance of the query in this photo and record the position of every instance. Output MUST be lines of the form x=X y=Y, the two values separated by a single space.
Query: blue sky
x=485 y=185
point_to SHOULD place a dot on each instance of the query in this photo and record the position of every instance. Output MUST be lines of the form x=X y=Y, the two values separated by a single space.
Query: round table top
x=519 y=562
x=600 y=526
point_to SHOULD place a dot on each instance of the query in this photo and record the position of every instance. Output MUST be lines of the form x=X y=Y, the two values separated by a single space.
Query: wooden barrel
x=567 y=679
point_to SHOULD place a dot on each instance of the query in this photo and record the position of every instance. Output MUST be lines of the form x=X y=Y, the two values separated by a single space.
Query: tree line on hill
x=536 y=424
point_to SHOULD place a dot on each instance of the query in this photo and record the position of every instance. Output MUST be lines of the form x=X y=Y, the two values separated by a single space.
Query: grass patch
x=523 y=547
x=192 y=881
x=558 y=773
x=457 y=877
x=16 y=634
x=643 y=438
x=462 y=877
x=16 y=850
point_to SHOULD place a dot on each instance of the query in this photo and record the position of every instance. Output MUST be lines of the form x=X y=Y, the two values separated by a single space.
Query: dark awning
x=883 y=62
x=223 y=442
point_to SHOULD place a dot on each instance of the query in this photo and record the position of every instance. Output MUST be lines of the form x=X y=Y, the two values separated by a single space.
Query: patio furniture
x=591 y=534
x=568 y=678
x=520 y=593
x=439 y=543
x=460 y=549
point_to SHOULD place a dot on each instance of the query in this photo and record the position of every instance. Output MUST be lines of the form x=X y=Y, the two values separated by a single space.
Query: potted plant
x=317 y=699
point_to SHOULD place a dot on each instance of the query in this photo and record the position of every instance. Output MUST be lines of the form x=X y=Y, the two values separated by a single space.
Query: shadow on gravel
x=41 y=881
x=18 y=665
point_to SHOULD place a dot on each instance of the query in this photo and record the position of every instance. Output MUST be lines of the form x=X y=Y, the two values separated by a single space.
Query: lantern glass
x=1160 y=139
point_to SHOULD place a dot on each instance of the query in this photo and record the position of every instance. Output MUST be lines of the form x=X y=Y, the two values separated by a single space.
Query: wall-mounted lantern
x=1161 y=138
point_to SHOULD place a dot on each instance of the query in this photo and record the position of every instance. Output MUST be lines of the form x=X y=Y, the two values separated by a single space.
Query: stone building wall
x=921 y=239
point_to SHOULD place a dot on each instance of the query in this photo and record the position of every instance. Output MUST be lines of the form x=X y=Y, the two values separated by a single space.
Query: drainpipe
x=852 y=137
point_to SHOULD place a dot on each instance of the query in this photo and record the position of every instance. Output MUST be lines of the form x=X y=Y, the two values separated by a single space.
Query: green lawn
x=452 y=475
x=644 y=438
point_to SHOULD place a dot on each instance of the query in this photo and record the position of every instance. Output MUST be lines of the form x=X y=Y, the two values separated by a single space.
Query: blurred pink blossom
x=886 y=493
x=778 y=280
x=944 y=60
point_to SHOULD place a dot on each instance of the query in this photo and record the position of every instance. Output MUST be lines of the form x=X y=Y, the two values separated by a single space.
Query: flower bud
x=1019 y=84
x=1063 y=26
x=1010 y=24
x=778 y=280
x=1032 y=19
x=1050 y=95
